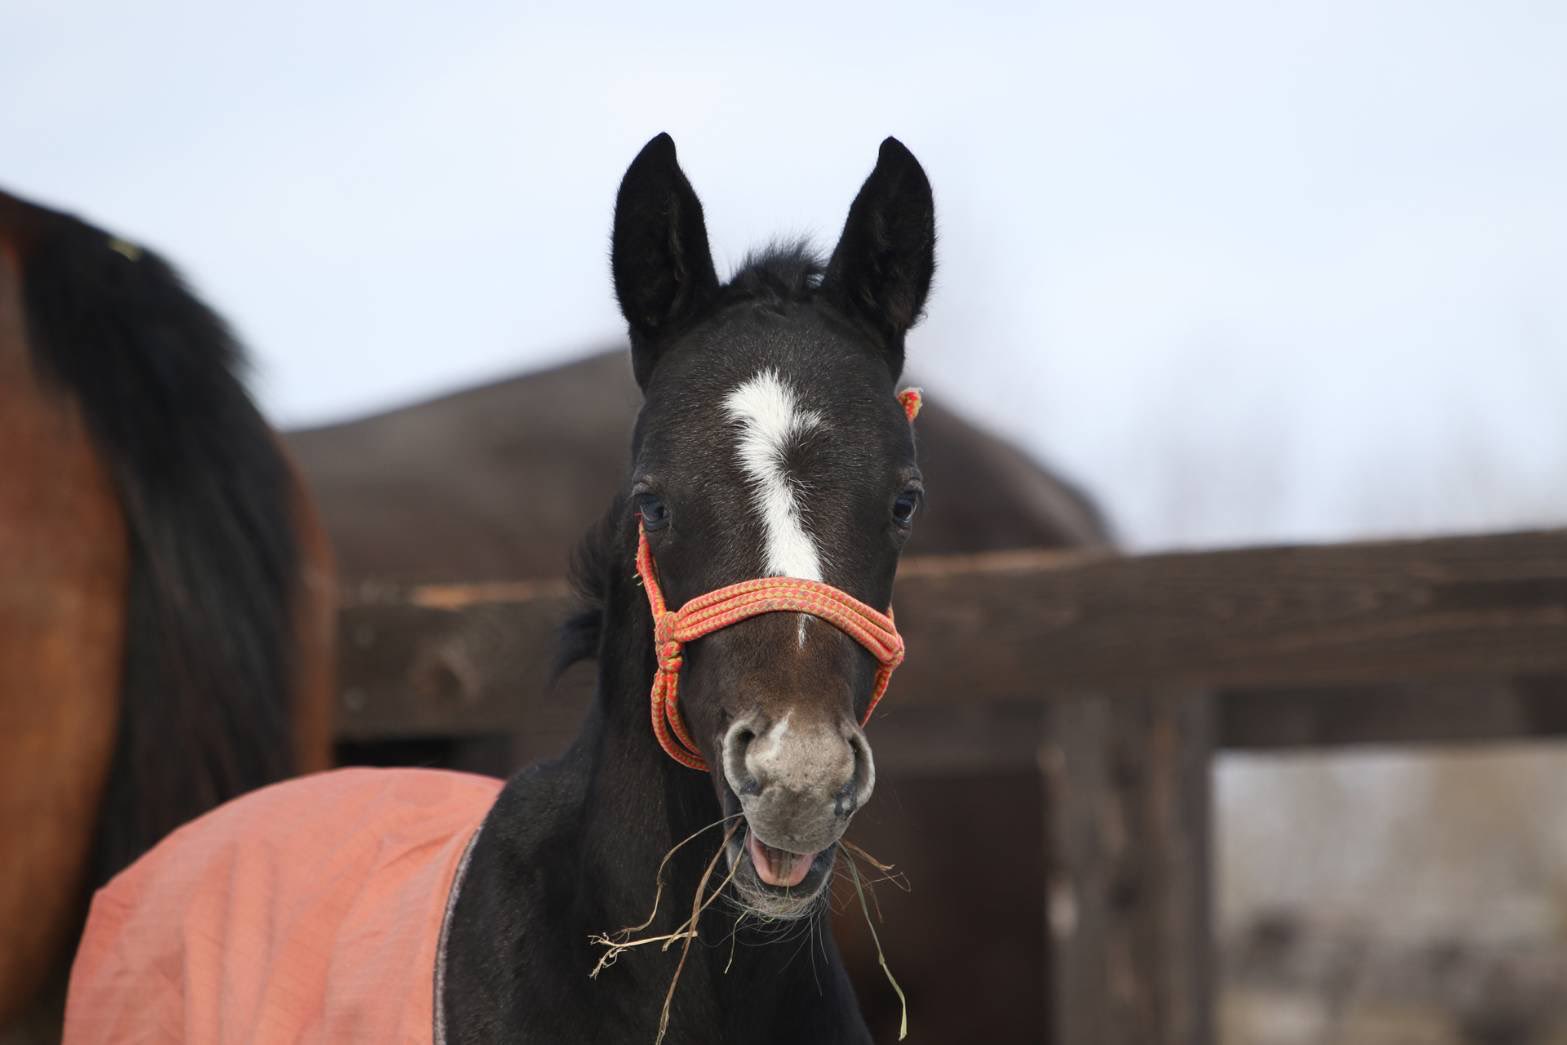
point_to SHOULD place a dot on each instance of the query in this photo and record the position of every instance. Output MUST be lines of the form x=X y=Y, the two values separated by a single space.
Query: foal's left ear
x=662 y=264
x=881 y=269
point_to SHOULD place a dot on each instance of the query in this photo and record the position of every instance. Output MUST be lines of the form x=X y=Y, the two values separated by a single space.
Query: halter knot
x=669 y=660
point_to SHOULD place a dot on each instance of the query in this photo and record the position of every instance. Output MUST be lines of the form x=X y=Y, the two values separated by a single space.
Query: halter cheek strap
x=720 y=608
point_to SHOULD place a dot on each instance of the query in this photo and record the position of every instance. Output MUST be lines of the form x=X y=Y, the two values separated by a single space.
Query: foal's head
x=772 y=443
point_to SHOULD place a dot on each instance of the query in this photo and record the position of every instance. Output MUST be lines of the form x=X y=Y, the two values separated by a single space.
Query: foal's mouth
x=772 y=882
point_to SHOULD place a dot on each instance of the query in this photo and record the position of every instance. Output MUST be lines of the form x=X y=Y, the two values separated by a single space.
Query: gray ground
x=1409 y=897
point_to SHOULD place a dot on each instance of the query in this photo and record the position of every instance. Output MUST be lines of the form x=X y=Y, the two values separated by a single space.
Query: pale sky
x=1251 y=272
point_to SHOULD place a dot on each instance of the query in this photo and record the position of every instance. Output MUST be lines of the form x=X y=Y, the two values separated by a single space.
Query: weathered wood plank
x=1363 y=613
x=1455 y=710
x=472 y=659
x=1128 y=909
x=1083 y=834
x=410 y=670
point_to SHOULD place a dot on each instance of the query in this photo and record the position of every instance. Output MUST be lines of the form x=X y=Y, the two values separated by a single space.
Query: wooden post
x=1128 y=901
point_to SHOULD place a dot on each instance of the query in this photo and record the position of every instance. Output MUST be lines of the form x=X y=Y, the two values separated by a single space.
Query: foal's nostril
x=858 y=790
x=737 y=744
x=741 y=744
x=843 y=802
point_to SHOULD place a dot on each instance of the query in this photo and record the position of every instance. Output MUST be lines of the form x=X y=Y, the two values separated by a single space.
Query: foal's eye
x=652 y=511
x=903 y=508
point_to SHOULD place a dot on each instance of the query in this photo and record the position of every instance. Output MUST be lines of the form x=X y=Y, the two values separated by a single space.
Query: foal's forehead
x=785 y=369
x=785 y=434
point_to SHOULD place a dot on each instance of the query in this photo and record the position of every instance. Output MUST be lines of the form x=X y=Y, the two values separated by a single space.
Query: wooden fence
x=1118 y=677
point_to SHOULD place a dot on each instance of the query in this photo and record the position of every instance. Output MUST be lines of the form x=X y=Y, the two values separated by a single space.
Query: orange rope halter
x=720 y=608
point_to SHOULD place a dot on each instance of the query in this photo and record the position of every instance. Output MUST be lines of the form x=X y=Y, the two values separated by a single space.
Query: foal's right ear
x=662 y=265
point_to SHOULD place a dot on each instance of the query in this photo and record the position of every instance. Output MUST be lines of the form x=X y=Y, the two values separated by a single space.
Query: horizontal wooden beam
x=1448 y=711
x=1254 y=624
x=1371 y=613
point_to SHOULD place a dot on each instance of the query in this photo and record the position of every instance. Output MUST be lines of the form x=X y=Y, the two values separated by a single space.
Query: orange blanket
x=309 y=911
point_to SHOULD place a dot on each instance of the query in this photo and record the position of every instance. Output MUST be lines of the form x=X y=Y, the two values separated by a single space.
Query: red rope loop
x=718 y=609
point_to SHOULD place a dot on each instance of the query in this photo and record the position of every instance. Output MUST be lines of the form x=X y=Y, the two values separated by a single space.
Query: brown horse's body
x=71 y=649
x=315 y=634
x=62 y=632
x=499 y=482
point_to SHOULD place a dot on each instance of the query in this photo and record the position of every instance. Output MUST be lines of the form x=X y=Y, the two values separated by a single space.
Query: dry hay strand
x=853 y=851
x=621 y=941
x=884 y=873
x=698 y=905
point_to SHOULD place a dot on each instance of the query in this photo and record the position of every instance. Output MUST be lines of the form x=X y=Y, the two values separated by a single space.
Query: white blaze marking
x=770 y=417
x=766 y=749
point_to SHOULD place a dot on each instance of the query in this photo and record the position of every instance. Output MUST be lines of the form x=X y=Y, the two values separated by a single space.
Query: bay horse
x=167 y=611
x=773 y=483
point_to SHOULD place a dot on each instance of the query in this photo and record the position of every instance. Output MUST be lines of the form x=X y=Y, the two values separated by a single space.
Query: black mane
x=783 y=272
x=207 y=497
x=591 y=562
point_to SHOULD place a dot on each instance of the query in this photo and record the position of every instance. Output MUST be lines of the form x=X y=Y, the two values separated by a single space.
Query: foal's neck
x=639 y=804
x=573 y=849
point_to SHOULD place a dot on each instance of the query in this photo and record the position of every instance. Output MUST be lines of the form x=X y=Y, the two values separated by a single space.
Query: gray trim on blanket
x=446 y=929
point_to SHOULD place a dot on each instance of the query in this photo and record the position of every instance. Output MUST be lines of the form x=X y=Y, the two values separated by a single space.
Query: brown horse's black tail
x=207 y=494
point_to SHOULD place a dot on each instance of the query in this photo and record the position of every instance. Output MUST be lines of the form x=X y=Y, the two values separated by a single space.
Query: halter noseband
x=720 y=608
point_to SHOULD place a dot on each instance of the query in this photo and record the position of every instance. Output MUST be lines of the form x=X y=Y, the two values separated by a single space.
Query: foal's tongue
x=777 y=867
